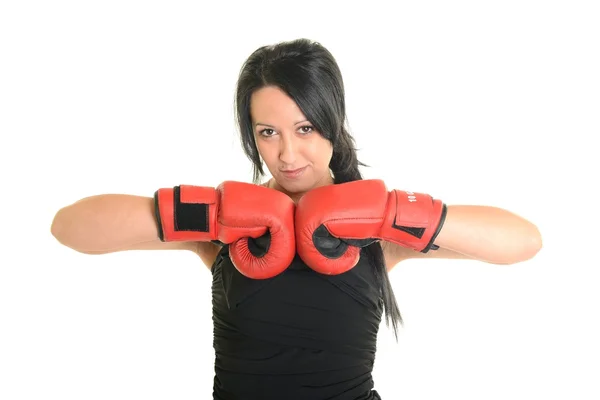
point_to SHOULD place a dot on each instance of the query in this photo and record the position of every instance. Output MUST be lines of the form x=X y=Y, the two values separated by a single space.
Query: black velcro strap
x=430 y=245
x=189 y=216
x=411 y=230
x=161 y=235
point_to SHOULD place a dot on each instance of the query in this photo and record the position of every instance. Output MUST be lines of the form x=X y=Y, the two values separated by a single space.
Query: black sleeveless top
x=299 y=335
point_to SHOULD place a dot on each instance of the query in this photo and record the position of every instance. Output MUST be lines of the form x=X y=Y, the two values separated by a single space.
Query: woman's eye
x=264 y=132
x=306 y=129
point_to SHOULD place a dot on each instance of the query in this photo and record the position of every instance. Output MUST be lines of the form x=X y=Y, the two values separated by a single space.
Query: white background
x=493 y=103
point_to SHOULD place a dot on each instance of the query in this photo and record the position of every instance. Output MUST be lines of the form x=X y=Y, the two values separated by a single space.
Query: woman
x=292 y=320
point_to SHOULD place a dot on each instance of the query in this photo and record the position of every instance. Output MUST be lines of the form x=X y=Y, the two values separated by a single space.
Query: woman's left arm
x=484 y=233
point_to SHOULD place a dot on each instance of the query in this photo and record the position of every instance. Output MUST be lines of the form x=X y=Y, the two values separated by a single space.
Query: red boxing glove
x=334 y=221
x=234 y=213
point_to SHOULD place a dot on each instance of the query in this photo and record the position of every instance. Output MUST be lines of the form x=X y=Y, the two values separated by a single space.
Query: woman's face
x=296 y=155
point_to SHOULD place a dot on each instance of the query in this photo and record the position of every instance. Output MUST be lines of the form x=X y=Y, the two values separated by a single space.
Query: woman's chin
x=299 y=185
x=295 y=186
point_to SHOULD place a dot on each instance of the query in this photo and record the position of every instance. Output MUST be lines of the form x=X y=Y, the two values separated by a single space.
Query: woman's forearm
x=489 y=233
x=106 y=223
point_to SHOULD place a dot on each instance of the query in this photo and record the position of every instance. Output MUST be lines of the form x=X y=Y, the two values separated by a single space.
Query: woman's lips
x=293 y=173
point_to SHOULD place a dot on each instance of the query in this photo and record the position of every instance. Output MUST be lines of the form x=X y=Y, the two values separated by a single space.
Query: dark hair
x=308 y=73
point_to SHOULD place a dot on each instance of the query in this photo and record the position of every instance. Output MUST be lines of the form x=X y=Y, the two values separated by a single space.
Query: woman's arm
x=109 y=223
x=483 y=233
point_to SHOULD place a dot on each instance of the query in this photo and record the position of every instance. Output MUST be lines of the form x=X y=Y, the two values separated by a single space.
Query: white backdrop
x=490 y=103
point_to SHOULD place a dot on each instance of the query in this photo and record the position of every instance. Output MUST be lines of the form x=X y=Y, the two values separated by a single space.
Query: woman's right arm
x=109 y=223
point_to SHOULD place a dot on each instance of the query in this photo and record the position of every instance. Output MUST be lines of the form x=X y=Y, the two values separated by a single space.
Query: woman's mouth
x=292 y=174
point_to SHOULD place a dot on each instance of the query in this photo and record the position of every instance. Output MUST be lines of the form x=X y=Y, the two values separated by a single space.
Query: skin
x=286 y=140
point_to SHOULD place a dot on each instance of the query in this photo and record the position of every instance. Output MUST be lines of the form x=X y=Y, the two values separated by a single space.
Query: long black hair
x=308 y=73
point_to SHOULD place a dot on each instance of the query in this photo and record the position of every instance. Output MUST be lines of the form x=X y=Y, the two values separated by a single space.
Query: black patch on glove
x=189 y=216
x=260 y=246
x=333 y=247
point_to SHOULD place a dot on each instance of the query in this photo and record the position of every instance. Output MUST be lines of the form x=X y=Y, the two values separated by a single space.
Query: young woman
x=300 y=263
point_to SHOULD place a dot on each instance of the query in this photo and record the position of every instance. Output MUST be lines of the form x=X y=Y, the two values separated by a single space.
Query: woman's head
x=292 y=148
x=290 y=107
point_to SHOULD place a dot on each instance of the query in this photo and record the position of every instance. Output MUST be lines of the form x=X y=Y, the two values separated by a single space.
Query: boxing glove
x=333 y=222
x=256 y=222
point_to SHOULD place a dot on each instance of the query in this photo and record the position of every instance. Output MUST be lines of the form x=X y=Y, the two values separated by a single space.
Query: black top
x=299 y=335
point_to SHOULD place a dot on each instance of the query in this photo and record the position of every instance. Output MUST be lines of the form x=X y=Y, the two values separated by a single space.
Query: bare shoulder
x=394 y=254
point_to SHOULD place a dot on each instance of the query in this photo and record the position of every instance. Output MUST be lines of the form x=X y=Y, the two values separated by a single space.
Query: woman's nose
x=288 y=150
